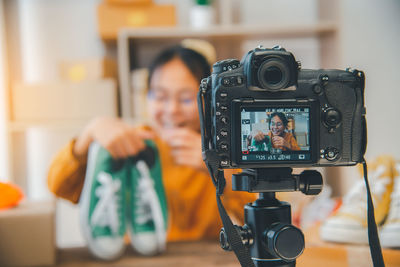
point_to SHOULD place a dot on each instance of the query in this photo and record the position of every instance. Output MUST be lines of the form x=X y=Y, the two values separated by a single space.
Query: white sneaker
x=390 y=232
x=349 y=223
x=147 y=205
x=102 y=209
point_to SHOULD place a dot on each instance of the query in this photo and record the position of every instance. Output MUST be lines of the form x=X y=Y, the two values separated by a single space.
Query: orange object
x=10 y=195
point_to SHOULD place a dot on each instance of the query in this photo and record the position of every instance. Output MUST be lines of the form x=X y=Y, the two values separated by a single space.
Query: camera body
x=265 y=111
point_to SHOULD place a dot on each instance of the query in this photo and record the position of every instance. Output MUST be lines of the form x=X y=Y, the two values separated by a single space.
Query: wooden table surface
x=192 y=254
x=209 y=253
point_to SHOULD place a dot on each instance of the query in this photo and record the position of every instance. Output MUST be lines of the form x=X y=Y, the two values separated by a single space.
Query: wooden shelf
x=243 y=31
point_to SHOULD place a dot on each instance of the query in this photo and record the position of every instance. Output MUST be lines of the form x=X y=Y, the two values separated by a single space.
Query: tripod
x=268 y=233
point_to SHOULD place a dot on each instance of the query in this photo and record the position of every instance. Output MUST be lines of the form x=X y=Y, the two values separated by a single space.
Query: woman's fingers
x=119 y=138
x=185 y=147
x=182 y=137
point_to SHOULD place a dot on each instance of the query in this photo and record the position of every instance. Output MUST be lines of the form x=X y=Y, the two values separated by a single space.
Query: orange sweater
x=193 y=212
x=288 y=138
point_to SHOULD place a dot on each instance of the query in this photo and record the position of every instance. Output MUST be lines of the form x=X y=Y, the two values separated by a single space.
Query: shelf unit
x=136 y=47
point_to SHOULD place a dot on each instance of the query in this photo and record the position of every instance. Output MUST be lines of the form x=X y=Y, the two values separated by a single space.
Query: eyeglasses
x=277 y=124
x=162 y=98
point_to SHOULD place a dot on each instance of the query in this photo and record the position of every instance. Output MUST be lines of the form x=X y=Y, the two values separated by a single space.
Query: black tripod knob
x=244 y=233
x=285 y=241
x=310 y=182
x=223 y=240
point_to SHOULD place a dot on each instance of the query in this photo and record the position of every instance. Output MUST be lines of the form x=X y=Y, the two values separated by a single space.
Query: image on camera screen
x=275 y=134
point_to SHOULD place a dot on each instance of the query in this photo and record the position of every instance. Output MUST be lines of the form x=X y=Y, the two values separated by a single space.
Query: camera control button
x=224 y=120
x=224 y=162
x=239 y=80
x=225 y=65
x=223 y=133
x=324 y=78
x=317 y=89
x=223 y=94
x=226 y=81
x=223 y=108
x=331 y=153
x=223 y=146
x=332 y=117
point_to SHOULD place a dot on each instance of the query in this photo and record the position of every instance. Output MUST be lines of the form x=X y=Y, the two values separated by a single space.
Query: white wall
x=4 y=172
x=53 y=31
x=370 y=41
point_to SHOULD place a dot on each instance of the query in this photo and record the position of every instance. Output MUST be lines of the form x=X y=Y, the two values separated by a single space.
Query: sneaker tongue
x=356 y=193
x=148 y=155
x=106 y=210
x=378 y=183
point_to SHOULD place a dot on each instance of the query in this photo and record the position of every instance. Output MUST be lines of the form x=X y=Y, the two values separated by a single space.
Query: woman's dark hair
x=194 y=61
x=282 y=116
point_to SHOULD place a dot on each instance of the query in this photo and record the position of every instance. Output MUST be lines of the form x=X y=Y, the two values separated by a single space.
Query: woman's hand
x=119 y=138
x=280 y=142
x=185 y=147
x=259 y=136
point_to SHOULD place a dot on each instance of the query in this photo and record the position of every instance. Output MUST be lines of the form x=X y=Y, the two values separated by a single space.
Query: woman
x=278 y=137
x=174 y=77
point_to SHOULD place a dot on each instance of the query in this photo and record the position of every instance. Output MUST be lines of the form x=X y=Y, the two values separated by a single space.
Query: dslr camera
x=265 y=111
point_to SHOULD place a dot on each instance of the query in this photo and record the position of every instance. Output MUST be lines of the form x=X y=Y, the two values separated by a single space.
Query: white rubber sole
x=390 y=236
x=344 y=234
x=145 y=243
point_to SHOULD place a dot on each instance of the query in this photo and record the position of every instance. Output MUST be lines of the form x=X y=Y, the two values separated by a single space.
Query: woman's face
x=277 y=126
x=172 y=97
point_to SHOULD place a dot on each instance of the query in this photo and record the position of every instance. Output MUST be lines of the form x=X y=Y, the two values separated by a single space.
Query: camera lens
x=273 y=74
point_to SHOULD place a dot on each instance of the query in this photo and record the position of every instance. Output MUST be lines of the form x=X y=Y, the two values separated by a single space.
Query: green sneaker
x=147 y=205
x=102 y=204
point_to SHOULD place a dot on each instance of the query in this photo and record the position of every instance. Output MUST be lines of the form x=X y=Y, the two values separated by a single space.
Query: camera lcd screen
x=275 y=134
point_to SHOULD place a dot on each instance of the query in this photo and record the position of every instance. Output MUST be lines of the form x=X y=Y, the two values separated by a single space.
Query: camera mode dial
x=225 y=65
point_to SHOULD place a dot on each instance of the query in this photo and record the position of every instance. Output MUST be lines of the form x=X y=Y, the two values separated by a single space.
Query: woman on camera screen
x=278 y=136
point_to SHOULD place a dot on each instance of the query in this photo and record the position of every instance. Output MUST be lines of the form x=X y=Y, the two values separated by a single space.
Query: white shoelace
x=149 y=207
x=355 y=202
x=106 y=211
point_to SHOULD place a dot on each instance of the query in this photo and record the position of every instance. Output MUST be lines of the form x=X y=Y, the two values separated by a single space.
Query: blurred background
x=64 y=62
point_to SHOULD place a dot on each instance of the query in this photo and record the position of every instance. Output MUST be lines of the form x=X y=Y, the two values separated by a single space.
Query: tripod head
x=268 y=233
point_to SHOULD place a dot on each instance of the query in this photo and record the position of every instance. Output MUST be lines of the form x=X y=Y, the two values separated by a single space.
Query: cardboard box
x=111 y=18
x=89 y=69
x=64 y=100
x=28 y=235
